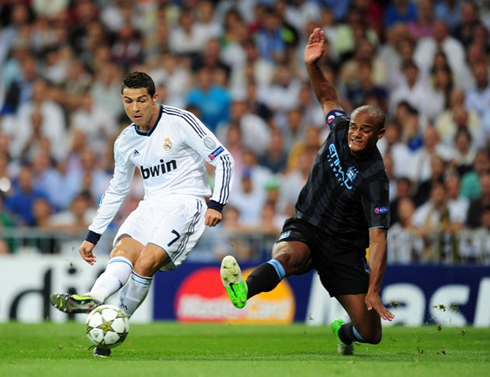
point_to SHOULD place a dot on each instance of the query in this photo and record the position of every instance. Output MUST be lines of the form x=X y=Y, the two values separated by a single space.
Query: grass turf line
x=174 y=349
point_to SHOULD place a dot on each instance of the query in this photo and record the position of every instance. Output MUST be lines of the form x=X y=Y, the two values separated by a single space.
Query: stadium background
x=237 y=65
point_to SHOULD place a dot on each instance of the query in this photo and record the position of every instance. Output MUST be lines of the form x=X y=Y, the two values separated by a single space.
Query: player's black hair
x=375 y=112
x=136 y=80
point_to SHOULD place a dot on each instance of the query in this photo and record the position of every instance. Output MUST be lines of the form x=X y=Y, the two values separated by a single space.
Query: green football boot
x=231 y=276
x=73 y=303
x=342 y=348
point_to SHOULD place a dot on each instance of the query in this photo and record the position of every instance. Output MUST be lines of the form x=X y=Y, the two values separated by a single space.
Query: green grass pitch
x=175 y=349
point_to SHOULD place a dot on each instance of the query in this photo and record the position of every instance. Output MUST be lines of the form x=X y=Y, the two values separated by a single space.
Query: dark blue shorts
x=343 y=269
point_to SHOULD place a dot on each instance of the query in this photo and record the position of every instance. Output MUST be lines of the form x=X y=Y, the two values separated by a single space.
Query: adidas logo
x=136 y=153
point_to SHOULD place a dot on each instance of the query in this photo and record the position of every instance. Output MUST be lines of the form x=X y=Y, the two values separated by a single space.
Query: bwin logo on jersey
x=155 y=171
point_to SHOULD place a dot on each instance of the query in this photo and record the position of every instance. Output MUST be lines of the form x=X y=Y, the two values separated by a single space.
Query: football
x=107 y=326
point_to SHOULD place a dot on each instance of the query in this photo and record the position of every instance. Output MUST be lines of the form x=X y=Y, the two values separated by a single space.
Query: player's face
x=140 y=107
x=363 y=133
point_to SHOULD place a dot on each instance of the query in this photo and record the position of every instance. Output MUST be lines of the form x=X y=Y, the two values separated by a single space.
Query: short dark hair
x=375 y=112
x=136 y=80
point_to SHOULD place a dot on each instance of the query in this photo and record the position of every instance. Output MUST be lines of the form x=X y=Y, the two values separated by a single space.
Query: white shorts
x=174 y=223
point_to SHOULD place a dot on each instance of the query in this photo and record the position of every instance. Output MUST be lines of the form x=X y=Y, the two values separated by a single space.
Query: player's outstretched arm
x=86 y=252
x=377 y=266
x=324 y=90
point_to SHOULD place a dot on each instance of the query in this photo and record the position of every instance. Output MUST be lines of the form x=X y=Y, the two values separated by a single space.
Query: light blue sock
x=278 y=267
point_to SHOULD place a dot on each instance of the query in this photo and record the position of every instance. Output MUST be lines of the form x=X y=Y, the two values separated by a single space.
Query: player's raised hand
x=86 y=252
x=315 y=47
x=373 y=301
x=212 y=217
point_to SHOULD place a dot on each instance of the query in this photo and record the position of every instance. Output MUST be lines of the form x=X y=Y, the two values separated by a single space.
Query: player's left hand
x=212 y=217
x=373 y=301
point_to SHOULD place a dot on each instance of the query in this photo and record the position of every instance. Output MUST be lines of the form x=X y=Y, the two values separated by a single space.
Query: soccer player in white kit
x=169 y=146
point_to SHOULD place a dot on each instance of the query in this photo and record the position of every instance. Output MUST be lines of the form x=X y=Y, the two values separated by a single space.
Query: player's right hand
x=85 y=251
x=315 y=47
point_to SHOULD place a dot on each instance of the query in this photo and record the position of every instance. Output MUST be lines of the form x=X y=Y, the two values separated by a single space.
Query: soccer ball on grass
x=107 y=326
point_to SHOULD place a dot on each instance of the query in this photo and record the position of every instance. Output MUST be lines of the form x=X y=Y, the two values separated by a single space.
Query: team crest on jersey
x=167 y=145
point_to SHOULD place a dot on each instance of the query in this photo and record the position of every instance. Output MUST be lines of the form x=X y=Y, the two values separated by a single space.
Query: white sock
x=134 y=293
x=112 y=279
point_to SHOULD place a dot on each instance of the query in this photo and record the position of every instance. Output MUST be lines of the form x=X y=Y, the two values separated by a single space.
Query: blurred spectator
x=465 y=30
x=234 y=144
x=282 y=93
x=212 y=100
x=403 y=189
x=76 y=218
x=234 y=34
x=310 y=142
x=425 y=188
x=254 y=68
x=391 y=145
x=421 y=160
x=46 y=243
x=470 y=181
x=174 y=73
x=106 y=88
x=20 y=19
x=293 y=181
x=400 y=11
x=465 y=151
x=40 y=118
x=481 y=240
x=90 y=177
x=427 y=47
x=399 y=47
x=127 y=49
x=311 y=113
x=479 y=205
x=449 y=11
x=256 y=106
x=211 y=58
x=6 y=222
x=349 y=33
x=437 y=225
x=24 y=194
x=48 y=179
x=255 y=132
x=275 y=156
x=364 y=56
x=270 y=39
x=423 y=25
x=248 y=197
x=414 y=90
x=404 y=244
x=18 y=84
x=96 y=122
x=458 y=205
x=478 y=97
x=454 y=116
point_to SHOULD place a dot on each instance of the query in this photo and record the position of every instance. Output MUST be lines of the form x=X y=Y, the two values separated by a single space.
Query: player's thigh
x=367 y=322
x=295 y=256
x=179 y=230
x=128 y=248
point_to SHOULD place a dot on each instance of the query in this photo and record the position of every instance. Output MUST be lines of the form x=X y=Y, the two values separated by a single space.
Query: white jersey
x=171 y=159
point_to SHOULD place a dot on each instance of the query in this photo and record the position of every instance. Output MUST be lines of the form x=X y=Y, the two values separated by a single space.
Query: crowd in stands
x=238 y=66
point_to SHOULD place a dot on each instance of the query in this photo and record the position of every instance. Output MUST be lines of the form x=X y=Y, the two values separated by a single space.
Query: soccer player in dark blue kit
x=342 y=210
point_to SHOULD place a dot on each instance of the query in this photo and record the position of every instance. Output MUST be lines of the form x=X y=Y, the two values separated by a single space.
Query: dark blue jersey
x=345 y=196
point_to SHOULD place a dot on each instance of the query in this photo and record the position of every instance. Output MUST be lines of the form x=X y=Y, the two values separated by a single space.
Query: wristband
x=92 y=237
x=213 y=204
